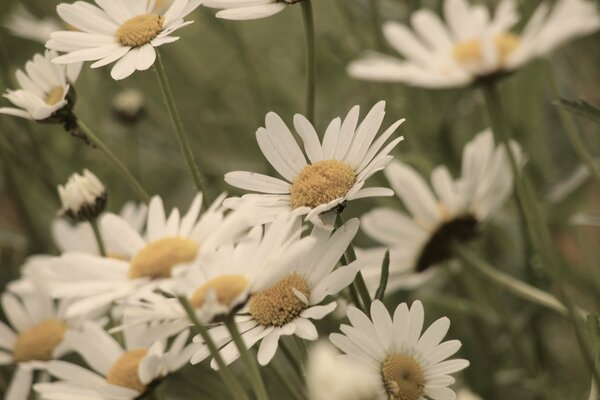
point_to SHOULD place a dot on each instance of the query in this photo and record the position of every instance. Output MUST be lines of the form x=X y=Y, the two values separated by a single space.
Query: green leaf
x=581 y=108
x=385 y=272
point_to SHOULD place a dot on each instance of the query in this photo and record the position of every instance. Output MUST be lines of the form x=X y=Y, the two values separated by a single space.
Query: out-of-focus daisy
x=117 y=373
x=222 y=282
x=335 y=173
x=127 y=31
x=23 y=24
x=45 y=88
x=422 y=237
x=128 y=104
x=95 y=282
x=247 y=9
x=471 y=45
x=410 y=364
x=83 y=197
x=287 y=307
x=35 y=336
x=330 y=377
x=466 y=394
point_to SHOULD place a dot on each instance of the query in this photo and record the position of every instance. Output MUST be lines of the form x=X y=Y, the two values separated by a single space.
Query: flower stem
x=133 y=182
x=292 y=359
x=536 y=226
x=571 y=130
x=224 y=371
x=256 y=379
x=184 y=144
x=96 y=229
x=311 y=61
x=293 y=391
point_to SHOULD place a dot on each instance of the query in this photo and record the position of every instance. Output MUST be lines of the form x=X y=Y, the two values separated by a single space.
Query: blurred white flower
x=83 y=197
x=23 y=24
x=330 y=377
x=335 y=174
x=44 y=88
x=127 y=31
x=247 y=9
x=409 y=364
x=422 y=238
x=128 y=104
x=471 y=45
x=290 y=303
x=115 y=373
x=466 y=394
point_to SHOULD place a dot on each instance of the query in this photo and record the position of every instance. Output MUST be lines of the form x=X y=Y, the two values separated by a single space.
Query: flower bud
x=83 y=197
x=128 y=105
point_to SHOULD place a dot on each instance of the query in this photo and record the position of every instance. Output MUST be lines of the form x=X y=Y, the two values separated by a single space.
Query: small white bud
x=83 y=197
x=129 y=104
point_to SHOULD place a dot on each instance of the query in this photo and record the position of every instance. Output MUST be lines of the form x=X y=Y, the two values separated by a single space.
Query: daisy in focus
x=422 y=238
x=123 y=31
x=45 y=89
x=288 y=306
x=334 y=174
x=471 y=45
x=145 y=261
x=248 y=9
x=116 y=373
x=410 y=364
x=35 y=335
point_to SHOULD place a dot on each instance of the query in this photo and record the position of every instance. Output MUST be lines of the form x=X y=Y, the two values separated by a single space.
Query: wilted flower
x=83 y=197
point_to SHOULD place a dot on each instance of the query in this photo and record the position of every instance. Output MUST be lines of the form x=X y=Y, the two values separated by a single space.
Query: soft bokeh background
x=226 y=76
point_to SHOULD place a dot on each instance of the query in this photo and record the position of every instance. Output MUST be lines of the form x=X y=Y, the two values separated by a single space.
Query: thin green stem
x=133 y=182
x=540 y=235
x=311 y=60
x=292 y=359
x=291 y=389
x=224 y=371
x=182 y=139
x=571 y=130
x=255 y=377
x=301 y=348
x=98 y=235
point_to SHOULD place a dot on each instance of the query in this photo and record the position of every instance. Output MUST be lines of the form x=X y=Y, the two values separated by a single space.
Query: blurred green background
x=227 y=75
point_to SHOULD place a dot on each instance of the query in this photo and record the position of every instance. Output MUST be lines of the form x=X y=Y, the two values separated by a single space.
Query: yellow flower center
x=138 y=31
x=38 y=343
x=321 y=183
x=402 y=377
x=226 y=287
x=55 y=95
x=470 y=51
x=124 y=372
x=158 y=258
x=279 y=305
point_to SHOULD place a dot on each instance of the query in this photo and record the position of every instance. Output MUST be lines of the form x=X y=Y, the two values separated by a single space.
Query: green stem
x=301 y=348
x=256 y=379
x=293 y=391
x=133 y=182
x=98 y=235
x=224 y=371
x=182 y=139
x=571 y=130
x=540 y=235
x=311 y=61
x=292 y=359
x=512 y=285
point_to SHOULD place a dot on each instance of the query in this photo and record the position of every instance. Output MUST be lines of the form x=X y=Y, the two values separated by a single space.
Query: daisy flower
x=247 y=9
x=335 y=173
x=422 y=238
x=127 y=31
x=116 y=373
x=35 y=335
x=95 y=282
x=470 y=45
x=408 y=364
x=222 y=281
x=286 y=307
x=83 y=197
x=25 y=25
x=45 y=89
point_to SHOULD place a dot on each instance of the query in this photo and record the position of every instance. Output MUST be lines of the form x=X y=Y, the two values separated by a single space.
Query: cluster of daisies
x=130 y=292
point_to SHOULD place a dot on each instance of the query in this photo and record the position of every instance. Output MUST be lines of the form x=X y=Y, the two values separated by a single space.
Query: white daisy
x=422 y=238
x=286 y=307
x=83 y=197
x=471 y=45
x=330 y=377
x=95 y=282
x=248 y=9
x=23 y=24
x=35 y=335
x=45 y=88
x=409 y=364
x=336 y=172
x=127 y=31
x=116 y=373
